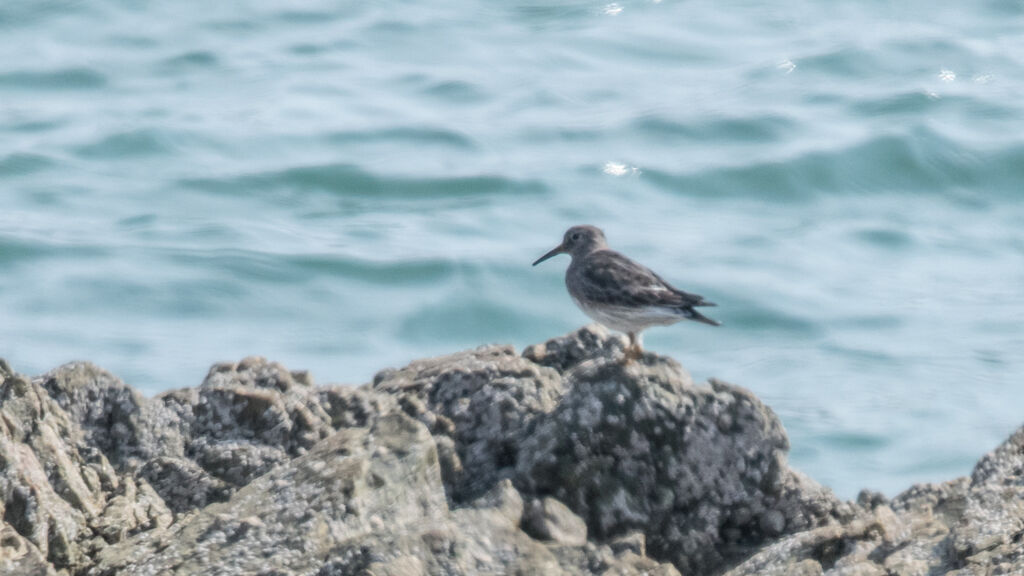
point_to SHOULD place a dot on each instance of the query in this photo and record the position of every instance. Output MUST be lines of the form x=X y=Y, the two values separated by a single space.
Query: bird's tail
x=698 y=317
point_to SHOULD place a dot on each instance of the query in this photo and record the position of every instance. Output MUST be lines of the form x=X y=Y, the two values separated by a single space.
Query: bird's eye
x=575 y=236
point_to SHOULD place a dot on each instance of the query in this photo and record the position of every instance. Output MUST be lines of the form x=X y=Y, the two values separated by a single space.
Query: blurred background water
x=346 y=186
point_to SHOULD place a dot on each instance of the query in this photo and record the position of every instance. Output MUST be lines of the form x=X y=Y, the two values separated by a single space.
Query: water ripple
x=351 y=181
x=14 y=251
x=404 y=136
x=889 y=237
x=389 y=273
x=921 y=161
x=141 y=142
x=193 y=59
x=748 y=130
x=456 y=92
x=291 y=268
x=19 y=164
x=62 y=79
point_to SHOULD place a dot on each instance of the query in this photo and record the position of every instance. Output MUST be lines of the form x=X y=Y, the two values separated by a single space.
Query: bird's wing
x=613 y=278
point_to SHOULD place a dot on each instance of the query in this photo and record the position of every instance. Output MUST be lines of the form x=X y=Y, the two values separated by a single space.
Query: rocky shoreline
x=554 y=461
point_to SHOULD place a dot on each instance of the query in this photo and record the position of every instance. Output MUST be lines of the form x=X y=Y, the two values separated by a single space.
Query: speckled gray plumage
x=607 y=278
x=618 y=292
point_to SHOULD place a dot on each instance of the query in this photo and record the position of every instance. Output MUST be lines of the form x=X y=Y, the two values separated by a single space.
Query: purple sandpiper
x=619 y=293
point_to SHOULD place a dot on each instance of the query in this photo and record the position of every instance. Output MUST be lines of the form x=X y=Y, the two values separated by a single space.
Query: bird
x=620 y=293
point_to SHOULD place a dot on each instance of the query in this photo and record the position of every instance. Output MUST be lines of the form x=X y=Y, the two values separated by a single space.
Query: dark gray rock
x=244 y=419
x=485 y=400
x=195 y=446
x=357 y=483
x=114 y=417
x=352 y=407
x=364 y=501
x=254 y=401
x=588 y=343
x=558 y=461
x=1002 y=466
x=634 y=542
x=701 y=471
x=182 y=484
x=60 y=498
x=963 y=527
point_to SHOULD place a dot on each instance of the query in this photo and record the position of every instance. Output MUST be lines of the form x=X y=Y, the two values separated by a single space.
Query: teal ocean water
x=346 y=186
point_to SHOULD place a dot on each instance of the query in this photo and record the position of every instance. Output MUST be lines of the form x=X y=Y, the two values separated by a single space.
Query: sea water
x=347 y=186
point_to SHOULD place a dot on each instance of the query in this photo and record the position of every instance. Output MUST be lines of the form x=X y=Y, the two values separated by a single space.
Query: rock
x=870 y=499
x=966 y=526
x=359 y=481
x=483 y=539
x=401 y=566
x=631 y=564
x=244 y=419
x=701 y=471
x=504 y=499
x=558 y=461
x=60 y=498
x=112 y=416
x=21 y=556
x=259 y=402
x=600 y=559
x=548 y=519
x=1004 y=465
x=588 y=343
x=132 y=508
x=79 y=450
x=634 y=542
x=351 y=407
x=485 y=400
x=364 y=501
x=183 y=485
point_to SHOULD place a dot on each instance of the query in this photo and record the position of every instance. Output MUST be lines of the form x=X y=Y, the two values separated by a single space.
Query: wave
x=351 y=181
x=131 y=143
x=404 y=135
x=919 y=161
x=60 y=79
x=291 y=268
x=748 y=130
x=19 y=164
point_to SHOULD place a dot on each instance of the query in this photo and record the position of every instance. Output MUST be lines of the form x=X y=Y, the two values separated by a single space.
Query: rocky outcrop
x=963 y=527
x=60 y=498
x=358 y=482
x=555 y=461
x=700 y=470
x=480 y=405
x=364 y=501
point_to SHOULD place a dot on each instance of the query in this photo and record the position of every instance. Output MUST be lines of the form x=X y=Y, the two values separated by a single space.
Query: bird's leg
x=633 y=350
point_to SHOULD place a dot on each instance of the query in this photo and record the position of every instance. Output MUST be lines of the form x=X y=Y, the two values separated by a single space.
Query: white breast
x=627 y=319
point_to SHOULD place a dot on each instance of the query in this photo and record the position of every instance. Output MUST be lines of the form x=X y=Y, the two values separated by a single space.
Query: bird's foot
x=633 y=350
x=631 y=354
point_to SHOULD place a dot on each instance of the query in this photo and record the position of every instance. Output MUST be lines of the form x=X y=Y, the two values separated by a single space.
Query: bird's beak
x=560 y=249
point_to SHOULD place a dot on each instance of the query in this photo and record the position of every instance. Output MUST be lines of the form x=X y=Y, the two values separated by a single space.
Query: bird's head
x=578 y=241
